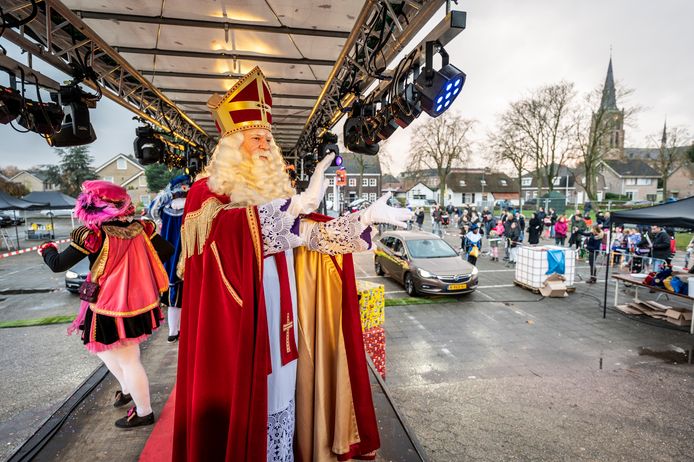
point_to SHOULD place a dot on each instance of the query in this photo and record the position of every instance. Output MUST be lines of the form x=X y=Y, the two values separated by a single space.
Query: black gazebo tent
x=54 y=199
x=8 y=202
x=677 y=214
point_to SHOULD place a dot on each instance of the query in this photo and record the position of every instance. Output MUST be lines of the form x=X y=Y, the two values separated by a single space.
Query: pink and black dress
x=125 y=260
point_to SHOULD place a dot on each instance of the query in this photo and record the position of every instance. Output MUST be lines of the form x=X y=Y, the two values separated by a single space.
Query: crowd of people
x=584 y=230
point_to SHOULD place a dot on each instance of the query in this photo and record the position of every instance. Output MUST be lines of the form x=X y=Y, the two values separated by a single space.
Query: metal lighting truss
x=364 y=47
x=58 y=36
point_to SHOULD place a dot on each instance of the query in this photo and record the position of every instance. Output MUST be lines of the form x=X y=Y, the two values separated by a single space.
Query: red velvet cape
x=224 y=359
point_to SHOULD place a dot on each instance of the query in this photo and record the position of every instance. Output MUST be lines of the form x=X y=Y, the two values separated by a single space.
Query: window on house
x=630 y=181
x=372 y=182
x=630 y=195
x=650 y=197
x=526 y=181
x=556 y=181
x=143 y=180
x=330 y=196
x=365 y=196
x=483 y=182
x=644 y=181
x=372 y=196
x=108 y=178
x=419 y=196
x=331 y=181
x=461 y=182
x=122 y=164
x=364 y=181
x=352 y=181
x=503 y=182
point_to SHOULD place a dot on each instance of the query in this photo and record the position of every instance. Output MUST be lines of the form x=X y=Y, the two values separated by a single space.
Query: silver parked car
x=424 y=263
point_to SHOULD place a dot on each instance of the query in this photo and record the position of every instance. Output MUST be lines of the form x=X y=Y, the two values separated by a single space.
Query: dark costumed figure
x=167 y=207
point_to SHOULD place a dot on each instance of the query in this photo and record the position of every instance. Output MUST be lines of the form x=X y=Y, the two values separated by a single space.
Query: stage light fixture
x=327 y=145
x=76 y=128
x=359 y=134
x=405 y=107
x=10 y=104
x=42 y=118
x=148 y=148
x=438 y=89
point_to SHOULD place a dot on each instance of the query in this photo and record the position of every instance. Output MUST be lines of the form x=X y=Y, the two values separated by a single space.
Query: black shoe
x=133 y=420
x=172 y=338
x=121 y=399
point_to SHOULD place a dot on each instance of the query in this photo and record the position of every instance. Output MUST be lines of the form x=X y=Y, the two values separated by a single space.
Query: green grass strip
x=37 y=322
x=419 y=301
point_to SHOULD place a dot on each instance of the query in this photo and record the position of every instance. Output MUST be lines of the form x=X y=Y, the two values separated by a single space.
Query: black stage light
x=10 y=104
x=327 y=145
x=386 y=124
x=405 y=107
x=148 y=148
x=359 y=130
x=438 y=89
x=76 y=129
x=42 y=118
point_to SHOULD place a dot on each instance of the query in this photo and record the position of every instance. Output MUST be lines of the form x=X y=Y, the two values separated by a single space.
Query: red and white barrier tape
x=31 y=249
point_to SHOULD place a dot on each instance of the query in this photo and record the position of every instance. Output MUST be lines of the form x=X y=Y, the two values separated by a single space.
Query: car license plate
x=457 y=286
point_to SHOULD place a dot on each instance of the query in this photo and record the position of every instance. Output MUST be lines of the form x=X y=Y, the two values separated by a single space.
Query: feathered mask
x=102 y=201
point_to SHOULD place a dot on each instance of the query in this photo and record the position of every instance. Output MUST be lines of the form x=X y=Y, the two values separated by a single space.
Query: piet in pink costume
x=130 y=275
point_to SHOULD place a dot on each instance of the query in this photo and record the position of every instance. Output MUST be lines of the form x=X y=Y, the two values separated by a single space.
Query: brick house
x=125 y=171
x=632 y=178
x=363 y=174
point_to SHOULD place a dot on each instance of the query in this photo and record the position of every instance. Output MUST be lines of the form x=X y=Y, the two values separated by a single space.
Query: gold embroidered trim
x=92 y=336
x=129 y=232
x=231 y=290
x=195 y=231
x=159 y=266
x=120 y=314
x=100 y=262
x=253 y=220
x=75 y=246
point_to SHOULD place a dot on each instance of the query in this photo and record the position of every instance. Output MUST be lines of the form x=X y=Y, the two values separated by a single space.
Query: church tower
x=608 y=120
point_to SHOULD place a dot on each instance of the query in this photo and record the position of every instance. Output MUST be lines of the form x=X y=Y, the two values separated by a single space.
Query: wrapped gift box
x=372 y=304
x=375 y=346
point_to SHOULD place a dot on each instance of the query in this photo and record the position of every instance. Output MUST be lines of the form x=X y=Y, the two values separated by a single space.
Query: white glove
x=309 y=200
x=381 y=212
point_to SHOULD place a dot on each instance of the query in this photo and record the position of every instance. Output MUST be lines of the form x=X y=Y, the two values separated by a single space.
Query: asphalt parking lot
x=499 y=374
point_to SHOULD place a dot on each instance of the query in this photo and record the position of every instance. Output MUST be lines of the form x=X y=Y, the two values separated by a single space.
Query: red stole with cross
x=288 y=351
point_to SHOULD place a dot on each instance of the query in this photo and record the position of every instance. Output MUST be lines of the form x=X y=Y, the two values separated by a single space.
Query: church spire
x=609 y=97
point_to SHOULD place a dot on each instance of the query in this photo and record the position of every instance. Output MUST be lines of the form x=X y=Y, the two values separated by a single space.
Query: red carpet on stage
x=159 y=445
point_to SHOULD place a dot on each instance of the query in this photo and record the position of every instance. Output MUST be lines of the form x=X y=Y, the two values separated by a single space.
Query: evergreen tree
x=159 y=175
x=74 y=169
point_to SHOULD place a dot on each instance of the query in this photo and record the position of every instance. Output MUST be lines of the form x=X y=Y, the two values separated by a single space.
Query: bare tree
x=441 y=144
x=594 y=123
x=546 y=120
x=10 y=170
x=508 y=146
x=672 y=153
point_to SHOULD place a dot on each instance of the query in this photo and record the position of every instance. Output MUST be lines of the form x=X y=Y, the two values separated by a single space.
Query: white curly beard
x=247 y=182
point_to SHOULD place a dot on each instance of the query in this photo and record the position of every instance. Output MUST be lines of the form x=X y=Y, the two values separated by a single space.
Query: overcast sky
x=508 y=48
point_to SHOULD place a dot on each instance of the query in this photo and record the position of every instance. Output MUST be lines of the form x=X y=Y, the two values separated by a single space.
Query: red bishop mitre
x=247 y=105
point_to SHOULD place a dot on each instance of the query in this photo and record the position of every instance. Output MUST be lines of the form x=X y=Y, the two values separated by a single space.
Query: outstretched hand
x=309 y=200
x=381 y=212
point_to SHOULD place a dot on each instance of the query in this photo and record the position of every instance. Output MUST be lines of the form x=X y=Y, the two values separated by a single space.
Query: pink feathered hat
x=102 y=201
